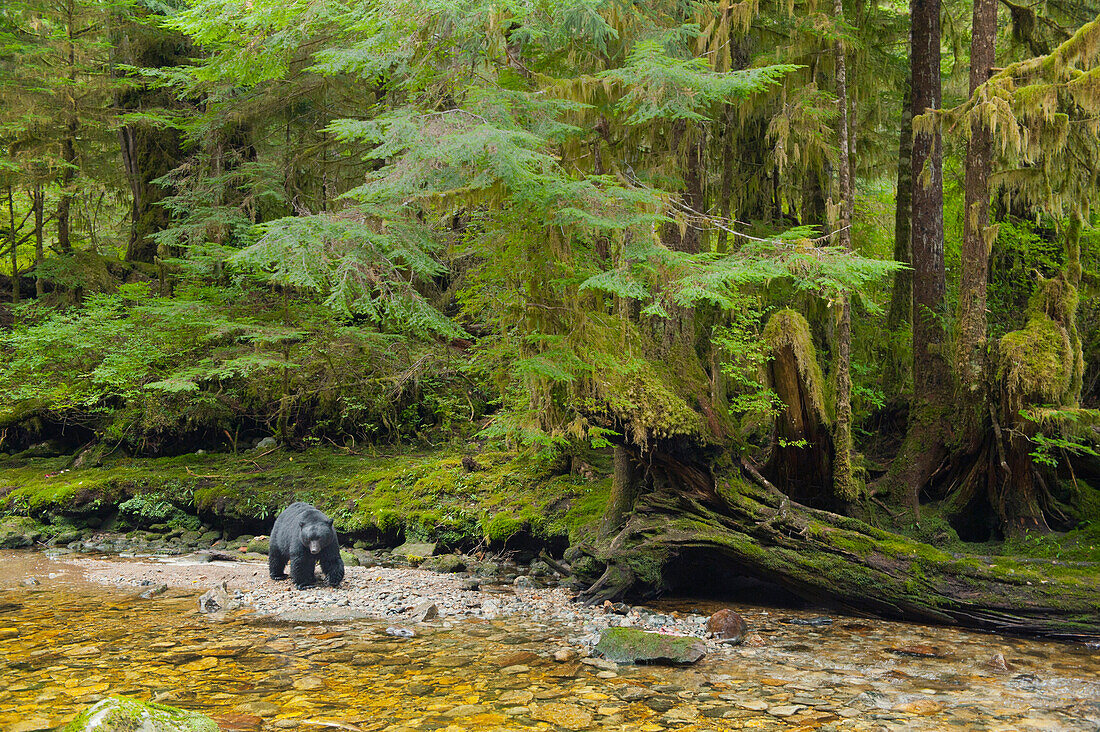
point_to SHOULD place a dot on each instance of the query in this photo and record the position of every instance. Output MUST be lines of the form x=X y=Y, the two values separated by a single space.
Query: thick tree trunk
x=970 y=344
x=925 y=444
x=754 y=530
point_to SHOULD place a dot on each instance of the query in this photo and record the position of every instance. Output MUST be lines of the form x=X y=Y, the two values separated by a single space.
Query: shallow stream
x=66 y=643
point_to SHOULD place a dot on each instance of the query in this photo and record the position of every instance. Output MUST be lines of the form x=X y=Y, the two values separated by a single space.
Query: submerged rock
x=119 y=714
x=630 y=645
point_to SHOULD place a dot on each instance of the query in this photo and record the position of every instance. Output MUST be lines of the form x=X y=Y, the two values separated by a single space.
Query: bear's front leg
x=301 y=570
x=332 y=566
x=276 y=564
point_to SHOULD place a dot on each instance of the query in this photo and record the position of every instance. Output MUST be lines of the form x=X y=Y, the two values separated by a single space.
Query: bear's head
x=316 y=535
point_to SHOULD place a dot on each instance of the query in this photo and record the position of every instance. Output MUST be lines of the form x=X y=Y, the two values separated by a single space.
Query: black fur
x=304 y=536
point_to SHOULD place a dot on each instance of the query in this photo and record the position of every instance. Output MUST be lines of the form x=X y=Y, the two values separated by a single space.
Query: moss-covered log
x=845 y=563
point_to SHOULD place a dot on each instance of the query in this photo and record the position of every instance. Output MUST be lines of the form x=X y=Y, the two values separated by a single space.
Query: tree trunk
x=970 y=344
x=13 y=241
x=925 y=444
x=843 y=482
x=725 y=188
x=68 y=140
x=624 y=492
x=826 y=558
x=901 y=301
x=38 y=201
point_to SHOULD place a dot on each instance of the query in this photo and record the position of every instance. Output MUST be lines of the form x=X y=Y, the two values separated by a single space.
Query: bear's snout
x=315 y=547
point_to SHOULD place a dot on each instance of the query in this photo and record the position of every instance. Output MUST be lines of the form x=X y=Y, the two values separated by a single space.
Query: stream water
x=66 y=643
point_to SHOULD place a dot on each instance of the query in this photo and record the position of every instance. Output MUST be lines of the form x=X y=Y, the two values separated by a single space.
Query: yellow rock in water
x=920 y=706
x=200 y=665
x=569 y=716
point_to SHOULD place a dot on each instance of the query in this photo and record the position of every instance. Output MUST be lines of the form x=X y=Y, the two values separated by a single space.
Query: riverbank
x=459 y=496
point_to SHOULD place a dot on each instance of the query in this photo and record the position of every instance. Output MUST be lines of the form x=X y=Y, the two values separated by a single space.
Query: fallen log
x=843 y=562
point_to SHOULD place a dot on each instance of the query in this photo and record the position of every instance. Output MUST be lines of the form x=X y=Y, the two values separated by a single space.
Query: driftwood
x=843 y=562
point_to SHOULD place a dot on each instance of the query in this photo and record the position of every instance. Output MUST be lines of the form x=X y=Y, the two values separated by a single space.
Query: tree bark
x=838 y=561
x=970 y=344
x=38 y=202
x=68 y=140
x=13 y=241
x=624 y=491
x=843 y=482
x=925 y=444
x=901 y=301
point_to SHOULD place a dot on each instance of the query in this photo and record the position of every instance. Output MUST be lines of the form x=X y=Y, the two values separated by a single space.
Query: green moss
x=121 y=714
x=428 y=495
x=788 y=329
x=501 y=527
x=630 y=645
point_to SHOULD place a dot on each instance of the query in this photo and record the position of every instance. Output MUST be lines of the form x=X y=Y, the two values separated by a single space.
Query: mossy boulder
x=415 y=550
x=630 y=645
x=445 y=563
x=120 y=714
x=258 y=545
x=17 y=533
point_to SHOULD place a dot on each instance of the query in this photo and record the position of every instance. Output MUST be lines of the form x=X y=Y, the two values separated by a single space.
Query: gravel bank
x=400 y=596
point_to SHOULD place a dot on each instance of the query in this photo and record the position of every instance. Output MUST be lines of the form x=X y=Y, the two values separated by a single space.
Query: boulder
x=630 y=645
x=414 y=549
x=727 y=626
x=445 y=563
x=217 y=599
x=258 y=545
x=119 y=714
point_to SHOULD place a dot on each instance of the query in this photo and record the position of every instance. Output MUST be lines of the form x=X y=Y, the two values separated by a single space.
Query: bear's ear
x=330 y=522
x=302 y=524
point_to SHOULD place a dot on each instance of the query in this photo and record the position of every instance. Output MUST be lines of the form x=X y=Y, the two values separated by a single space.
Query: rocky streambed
x=493 y=655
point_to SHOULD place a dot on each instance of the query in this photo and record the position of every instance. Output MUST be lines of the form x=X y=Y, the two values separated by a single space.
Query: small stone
x=519 y=668
x=154 y=591
x=918 y=650
x=660 y=703
x=425 y=611
x=259 y=708
x=786 y=710
x=464 y=710
x=755 y=705
x=562 y=655
x=920 y=707
x=516 y=697
x=606 y=675
x=308 y=683
x=30 y=582
x=631 y=693
x=998 y=663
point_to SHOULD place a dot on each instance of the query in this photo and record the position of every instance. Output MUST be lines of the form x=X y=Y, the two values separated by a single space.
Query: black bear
x=304 y=536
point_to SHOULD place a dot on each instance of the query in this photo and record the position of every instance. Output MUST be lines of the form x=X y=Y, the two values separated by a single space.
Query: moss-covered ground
x=377 y=496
